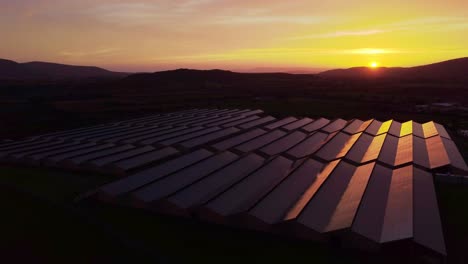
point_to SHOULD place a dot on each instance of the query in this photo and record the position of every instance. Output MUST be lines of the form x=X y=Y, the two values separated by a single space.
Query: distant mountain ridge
x=451 y=70
x=12 y=70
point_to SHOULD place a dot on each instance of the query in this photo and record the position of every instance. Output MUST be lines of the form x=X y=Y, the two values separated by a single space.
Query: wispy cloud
x=268 y=53
x=269 y=19
x=338 y=34
x=371 y=51
x=99 y=52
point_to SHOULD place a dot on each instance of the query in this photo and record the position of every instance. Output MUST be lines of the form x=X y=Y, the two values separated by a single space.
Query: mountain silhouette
x=451 y=70
x=45 y=70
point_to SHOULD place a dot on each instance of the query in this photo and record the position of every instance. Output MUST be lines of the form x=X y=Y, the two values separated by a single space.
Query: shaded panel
x=418 y=130
x=316 y=125
x=22 y=143
x=357 y=152
x=441 y=130
x=206 y=120
x=345 y=210
x=336 y=125
x=119 y=156
x=168 y=185
x=209 y=187
x=338 y=146
x=371 y=213
x=47 y=150
x=274 y=207
x=153 y=140
x=228 y=121
x=308 y=146
x=357 y=126
x=209 y=137
x=140 y=160
x=103 y=134
x=395 y=129
x=133 y=140
x=398 y=221
x=137 y=180
x=420 y=155
x=297 y=124
x=389 y=150
x=427 y=224
x=456 y=159
x=374 y=127
x=261 y=141
x=83 y=158
x=218 y=121
x=437 y=153
x=241 y=121
x=245 y=194
x=284 y=143
x=320 y=209
x=188 y=136
x=252 y=112
x=187 y=121
x=234 y=141
x=81 y=151
x=29 y=147
x=257 y=122
x=78 y=130
x=311 y=190
x=281 y=122
x=131 y=136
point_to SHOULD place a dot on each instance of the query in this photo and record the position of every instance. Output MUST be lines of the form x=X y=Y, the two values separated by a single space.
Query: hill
x=451 y=70
x=11 y=70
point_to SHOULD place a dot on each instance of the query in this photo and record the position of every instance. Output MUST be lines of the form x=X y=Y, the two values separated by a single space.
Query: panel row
x=274 y=195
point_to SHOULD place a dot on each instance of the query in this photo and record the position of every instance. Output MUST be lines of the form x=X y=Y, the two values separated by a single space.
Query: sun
x=374 y=64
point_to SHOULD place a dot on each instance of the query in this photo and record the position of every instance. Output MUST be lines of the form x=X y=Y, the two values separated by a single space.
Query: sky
x=242 y=35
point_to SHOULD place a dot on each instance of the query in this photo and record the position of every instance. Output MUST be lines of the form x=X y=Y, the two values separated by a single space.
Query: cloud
x=99 y=52
x=269 y=19
x=338 y=34
x=371 y=51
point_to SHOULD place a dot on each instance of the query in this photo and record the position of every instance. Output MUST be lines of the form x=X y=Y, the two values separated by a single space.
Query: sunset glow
x=237 y=35
x=373 y=64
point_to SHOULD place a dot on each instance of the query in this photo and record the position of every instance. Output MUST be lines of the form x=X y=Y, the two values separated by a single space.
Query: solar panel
x=302 y=177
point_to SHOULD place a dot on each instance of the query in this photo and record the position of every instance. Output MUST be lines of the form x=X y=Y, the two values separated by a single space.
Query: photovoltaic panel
x=243 y=195
x=297 y=124
x=295 y=176
x=261 y=141
x=309 y=145
x=427 y=223
x=335 y=125
x=172 y=183
x=316 y=125
x=236 y=140
x=216 y=183
x=274 y=207
x=257 y=122
x=280 y=123
x=137 y=180
x=283 y=144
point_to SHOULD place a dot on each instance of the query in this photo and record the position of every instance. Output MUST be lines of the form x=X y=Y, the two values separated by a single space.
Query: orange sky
x=233 y=34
